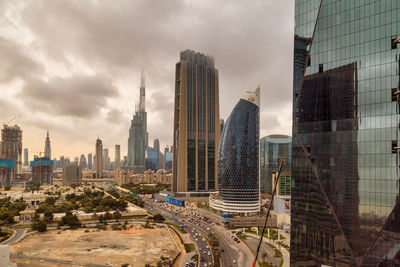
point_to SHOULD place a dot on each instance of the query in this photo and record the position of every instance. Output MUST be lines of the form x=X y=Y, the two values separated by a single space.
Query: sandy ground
x=137 y=246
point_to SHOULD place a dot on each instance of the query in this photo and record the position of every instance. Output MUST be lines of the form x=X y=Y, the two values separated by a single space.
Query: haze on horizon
x=73 y=67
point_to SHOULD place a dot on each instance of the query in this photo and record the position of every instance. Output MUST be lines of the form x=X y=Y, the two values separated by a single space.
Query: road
x=229 y=249
x=17 y=236
x=196 y=233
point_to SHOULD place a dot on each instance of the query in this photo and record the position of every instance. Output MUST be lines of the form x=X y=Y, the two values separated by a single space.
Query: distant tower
x=47 y=147
x=99 y=158
x=106 y=159
x=90 y=161
x=117 y=156
x=82 y=162
x=138 y=136
x=11 y=137
x=26 y=157
x=157 y=147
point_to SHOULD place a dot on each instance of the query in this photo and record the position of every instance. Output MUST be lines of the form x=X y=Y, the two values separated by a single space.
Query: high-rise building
x=11 y=137
x=90 y=161
x=117 y=156
x=156 y=146
x=62 y=161
x=76 y=160
x=26 y=157
x=7 y=172
x=42 y=171
x=196 y=124
x=99 y=158
x=47 y=147
x=238 y=159
x=82 y=162
x=72 y=174
x=345 y=204
x=168 y=159
x=273 y=148
x=151 y=158
x=106 y=159
x=138 y=136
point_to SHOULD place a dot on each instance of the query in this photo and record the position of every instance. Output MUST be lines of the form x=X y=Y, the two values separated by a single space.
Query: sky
x=73 y=67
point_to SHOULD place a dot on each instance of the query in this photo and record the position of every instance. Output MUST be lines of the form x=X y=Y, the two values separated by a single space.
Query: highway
x=179 y=216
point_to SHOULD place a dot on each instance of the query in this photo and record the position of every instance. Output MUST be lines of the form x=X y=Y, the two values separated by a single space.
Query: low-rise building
x=125 y=176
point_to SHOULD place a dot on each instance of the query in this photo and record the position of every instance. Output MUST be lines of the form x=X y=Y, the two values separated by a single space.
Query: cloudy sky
x=73 y=67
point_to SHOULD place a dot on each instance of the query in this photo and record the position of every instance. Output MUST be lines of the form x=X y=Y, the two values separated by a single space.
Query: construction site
x=136 y=246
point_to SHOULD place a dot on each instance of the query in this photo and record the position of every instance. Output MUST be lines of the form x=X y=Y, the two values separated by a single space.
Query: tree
x=48 y=216
x=117 y=215
x=158 y=218
x=50 y=201
x=40 y=226
x=70 y=220
x=108 y=216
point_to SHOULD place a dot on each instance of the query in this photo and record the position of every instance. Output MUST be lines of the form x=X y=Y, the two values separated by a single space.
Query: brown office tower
x=196 y=124
x=11 y=137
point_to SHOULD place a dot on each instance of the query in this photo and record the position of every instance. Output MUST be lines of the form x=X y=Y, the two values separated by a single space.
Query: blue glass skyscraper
x=345 y=208
x=238 y=159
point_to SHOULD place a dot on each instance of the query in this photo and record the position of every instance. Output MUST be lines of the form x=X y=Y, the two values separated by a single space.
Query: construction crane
x=13 y=118
x=281 y=163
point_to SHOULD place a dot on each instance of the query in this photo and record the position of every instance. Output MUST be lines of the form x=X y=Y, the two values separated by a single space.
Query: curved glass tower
x=238 y=159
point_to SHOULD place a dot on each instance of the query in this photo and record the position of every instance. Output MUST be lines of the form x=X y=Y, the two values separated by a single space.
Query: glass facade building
x=345 y=207
x=196 y=124
x=152 y=158
x=238 y=159
x=272 y=148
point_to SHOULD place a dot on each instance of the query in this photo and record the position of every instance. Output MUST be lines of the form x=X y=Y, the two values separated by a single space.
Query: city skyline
x=110 y=73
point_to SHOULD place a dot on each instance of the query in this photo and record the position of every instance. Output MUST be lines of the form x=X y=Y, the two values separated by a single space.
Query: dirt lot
x=136 y=246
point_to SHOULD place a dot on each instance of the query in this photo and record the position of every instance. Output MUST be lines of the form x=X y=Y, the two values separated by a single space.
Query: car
x=196 y=239
x=222 y=250
x=201 y=259
x=238 y=241
x=207 y=246
x=204 y=240
x=187 y=263
x=234 y=261
x=204 y=252
x=205 y=264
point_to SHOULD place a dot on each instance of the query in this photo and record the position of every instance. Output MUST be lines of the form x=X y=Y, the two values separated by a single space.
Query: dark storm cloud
x=15 y=63
x=245 y=37
x=251 y=42
x=77 y=96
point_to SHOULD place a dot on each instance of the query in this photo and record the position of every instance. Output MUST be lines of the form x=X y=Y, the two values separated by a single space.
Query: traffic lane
x=204 y=257
x=228 y=258
x=202 y=245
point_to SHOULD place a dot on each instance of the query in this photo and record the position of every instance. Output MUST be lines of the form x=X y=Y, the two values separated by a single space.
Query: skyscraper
x=138 y=136
x=106 y=159
x=238 y=159
x=272 y=148
x=11 y=137
x=26 y=157
x=99 y=158
x=196 y=124
x=82 y=162
x=151 y=158
x=157 y=147
x=117 y=156
x=90 y=161
x=345 y=204
x=47 y=147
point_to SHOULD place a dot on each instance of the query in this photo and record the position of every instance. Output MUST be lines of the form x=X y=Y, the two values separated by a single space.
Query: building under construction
x=7 y=172
x=42 y=171
x=11 y=148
